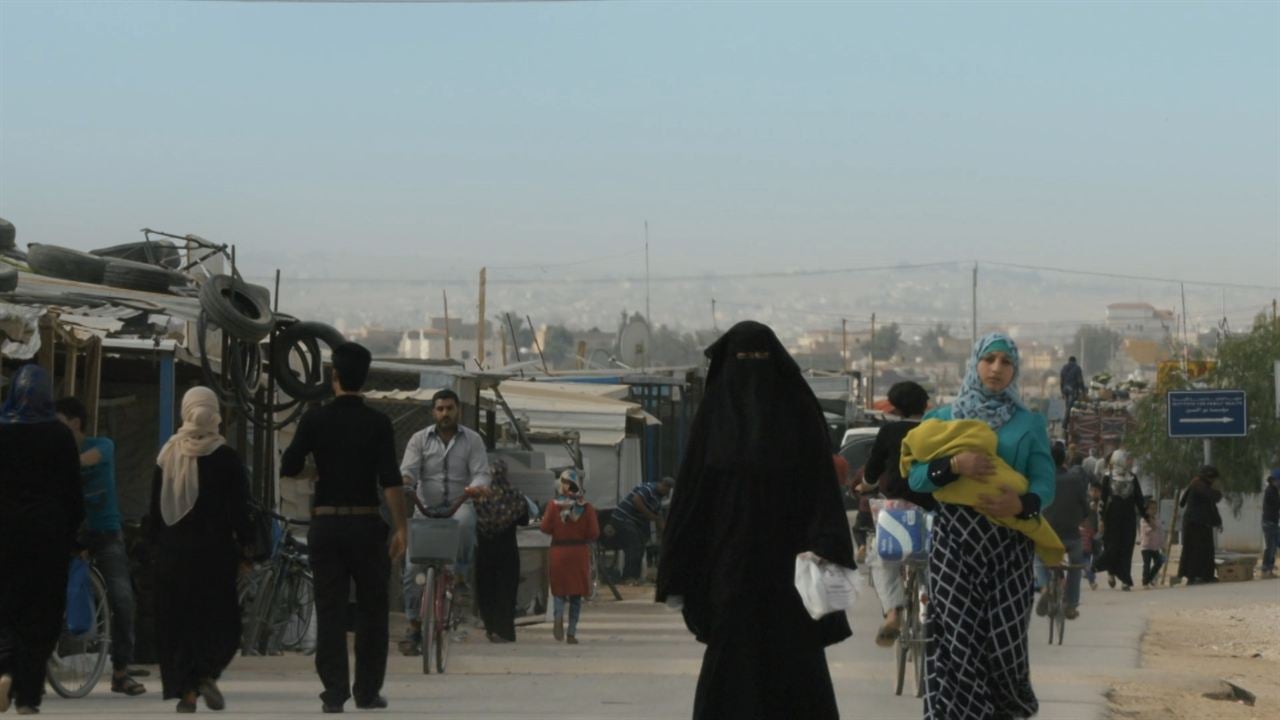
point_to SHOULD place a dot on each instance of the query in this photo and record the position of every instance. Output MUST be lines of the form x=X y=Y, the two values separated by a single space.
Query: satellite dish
x=632 y=342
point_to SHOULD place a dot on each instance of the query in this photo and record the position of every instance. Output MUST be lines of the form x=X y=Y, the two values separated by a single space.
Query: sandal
x=127 y=686
x=887 y=635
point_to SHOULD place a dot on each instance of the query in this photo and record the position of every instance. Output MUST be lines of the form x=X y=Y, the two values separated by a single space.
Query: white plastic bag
x=824 y=587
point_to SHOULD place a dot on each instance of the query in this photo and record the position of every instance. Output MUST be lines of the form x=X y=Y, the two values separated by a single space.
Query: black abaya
x=40 y=508
x=497 y=579
x=1120 y=523
x=756 y=487
x=196 y=564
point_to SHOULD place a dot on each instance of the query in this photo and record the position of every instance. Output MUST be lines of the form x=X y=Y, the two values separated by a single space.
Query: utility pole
x=648 y=314
x=844 y=345
x=448 y=351
x=1183 y=287
x=871 y=377
x=480 y=321
x=975 y=303
x=714 y=326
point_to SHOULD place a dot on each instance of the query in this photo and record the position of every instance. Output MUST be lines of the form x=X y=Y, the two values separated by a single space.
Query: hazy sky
x=1134 y=137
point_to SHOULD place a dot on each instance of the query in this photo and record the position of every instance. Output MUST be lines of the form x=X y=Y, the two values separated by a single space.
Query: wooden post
x=582 y=354
x=844 y=345
x=503 y=337
x=538 y=345
x=93 y=383
x=480 y=322
x=448 y=351
x=871 y=377
x=48 y=343
x=69 y=371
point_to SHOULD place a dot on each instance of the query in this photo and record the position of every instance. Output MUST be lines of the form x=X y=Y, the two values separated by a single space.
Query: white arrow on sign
x=1223 y=420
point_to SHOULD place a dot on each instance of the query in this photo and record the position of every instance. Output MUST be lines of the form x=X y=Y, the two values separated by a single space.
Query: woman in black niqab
x=757 y=487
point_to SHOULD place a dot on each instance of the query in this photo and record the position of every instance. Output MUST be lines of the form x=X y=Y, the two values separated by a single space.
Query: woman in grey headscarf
x=1122 y=505
x=199 y=524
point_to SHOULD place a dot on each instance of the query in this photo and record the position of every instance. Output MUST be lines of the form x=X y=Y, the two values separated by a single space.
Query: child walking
x=571 y=522
x=1152 y=545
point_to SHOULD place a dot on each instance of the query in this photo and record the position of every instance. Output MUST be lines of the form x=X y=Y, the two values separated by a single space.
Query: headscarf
x=975 y=401
x=198 y=436
x=1122 y=480
x=30 y=398
x=502 y=507
x=1090 y=466
x=572 y=504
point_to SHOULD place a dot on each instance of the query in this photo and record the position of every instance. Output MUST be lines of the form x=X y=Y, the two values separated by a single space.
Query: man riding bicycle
x=441 y=464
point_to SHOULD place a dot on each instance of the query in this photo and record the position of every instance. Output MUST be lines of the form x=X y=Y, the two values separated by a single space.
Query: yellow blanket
x=942 y=438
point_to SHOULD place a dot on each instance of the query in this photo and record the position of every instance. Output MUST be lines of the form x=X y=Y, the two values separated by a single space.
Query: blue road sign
x=1207 y=413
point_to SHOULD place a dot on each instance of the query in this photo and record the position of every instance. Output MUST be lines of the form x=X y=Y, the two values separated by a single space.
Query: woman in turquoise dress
x=981 y=575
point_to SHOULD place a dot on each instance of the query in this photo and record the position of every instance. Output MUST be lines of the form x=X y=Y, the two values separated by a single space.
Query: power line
x=1122 y=276
x=574 y=263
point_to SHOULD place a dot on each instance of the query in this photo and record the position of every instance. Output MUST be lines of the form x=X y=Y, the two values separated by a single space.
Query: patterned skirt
x=981 y=589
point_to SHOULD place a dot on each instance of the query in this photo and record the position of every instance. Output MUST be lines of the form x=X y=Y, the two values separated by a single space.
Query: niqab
x=198 y=436
x=756 y=486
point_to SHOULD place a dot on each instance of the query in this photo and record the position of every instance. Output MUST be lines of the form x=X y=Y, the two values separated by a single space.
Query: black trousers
x=497 y=582
x=346 y=549
x=34 y=559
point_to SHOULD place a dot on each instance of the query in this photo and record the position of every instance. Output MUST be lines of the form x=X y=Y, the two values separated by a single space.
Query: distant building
x=429 y=344
x=1139 y=321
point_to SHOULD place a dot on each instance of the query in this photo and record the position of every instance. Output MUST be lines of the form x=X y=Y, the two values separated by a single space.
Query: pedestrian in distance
x=41 y=508
x=1271 y=523
x=632 y=519
x=572 y=524
x=981 y=574
x=756 y=488
x=353 y=447
x=1122 y=507
x=200 y=530
x=498 y=513
x=103 y=539
x=883 y=475
x=1071 y=383
x=1152 y=544
x=1091 y=534
x=1199 y=519
x=442 y=462
x=1070 y=510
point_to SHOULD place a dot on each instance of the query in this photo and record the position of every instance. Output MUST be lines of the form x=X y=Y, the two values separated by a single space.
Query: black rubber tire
x=66 y=263
x=306 y=334
x=14 y=254
x=238 y=311
x=138 y=276
x=8 y=235
x=156 y=252
x=8 y=278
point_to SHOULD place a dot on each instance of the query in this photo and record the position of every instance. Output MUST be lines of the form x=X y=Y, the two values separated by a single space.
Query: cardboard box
x=1237 y=571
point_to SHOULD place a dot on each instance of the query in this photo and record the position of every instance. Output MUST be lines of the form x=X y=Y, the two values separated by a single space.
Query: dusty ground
x=1186 y=653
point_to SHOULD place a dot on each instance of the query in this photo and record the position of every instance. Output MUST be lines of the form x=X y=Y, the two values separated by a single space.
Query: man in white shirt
x=441 y=464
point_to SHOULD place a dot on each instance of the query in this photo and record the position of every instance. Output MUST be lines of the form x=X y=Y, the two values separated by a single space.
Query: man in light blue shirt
x=442 y=463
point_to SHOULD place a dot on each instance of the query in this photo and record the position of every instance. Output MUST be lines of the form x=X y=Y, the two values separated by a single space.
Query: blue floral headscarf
x=30 y=398
x=976 y=402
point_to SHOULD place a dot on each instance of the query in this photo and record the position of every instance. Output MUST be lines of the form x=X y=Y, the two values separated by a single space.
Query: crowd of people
x=728 y=549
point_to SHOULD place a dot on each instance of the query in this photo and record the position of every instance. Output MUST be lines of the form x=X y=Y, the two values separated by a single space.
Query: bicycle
x=434 y=542
x=277 y=599
x=79 y=660
x=913 y=637
x=1056 y=600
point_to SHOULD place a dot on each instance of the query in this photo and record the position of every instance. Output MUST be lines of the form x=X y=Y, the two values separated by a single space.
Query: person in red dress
x=571 y=522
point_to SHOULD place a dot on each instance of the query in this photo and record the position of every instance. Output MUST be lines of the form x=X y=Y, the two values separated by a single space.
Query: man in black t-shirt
x=354 y=451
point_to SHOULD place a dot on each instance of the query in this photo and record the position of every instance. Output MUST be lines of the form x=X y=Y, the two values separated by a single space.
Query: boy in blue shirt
x=105 y=539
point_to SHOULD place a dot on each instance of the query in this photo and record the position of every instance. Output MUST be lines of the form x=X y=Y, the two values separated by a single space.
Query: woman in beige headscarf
x=199 y=525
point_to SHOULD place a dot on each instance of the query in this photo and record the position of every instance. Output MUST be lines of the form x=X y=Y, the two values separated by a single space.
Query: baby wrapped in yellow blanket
x=942 y=438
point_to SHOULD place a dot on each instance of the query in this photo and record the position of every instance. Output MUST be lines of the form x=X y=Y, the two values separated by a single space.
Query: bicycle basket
x=434 y=540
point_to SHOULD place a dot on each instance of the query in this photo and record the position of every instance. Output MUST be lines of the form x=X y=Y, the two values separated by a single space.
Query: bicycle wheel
x=259 y=631
x=445 y=620
x=296 y=610
x=427 y=615
x=1059 y=617
x=78 y=661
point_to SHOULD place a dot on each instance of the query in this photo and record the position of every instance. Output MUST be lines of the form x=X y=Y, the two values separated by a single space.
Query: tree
x=932 y=341
x=1245 y=362
x=559 y=345
x=524 y=334
x=885 y=343
x=1094 y=346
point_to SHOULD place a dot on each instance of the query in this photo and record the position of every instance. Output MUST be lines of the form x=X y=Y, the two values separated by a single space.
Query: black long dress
x=40 y=508
x=196 y=563
x=498 y=579
x=756 y=487
x=1201 y=517
x=1120 y=523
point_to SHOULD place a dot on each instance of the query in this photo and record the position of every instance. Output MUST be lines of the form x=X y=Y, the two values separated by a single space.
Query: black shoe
x=326 y=707
x=185 y=707
x=208 y=690
x=379 y=702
